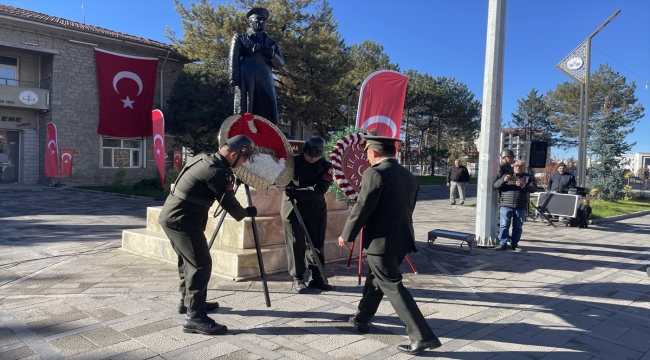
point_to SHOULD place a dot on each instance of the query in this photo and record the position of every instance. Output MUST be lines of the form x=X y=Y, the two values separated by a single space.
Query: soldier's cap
x=379 y=140
x=259 y=12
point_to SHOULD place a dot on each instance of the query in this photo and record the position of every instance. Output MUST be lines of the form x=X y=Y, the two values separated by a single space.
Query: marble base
x=233 y=252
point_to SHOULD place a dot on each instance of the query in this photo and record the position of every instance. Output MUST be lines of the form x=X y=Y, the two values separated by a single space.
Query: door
x=9 y=157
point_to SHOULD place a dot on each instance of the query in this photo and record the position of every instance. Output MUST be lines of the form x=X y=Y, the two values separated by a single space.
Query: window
x=118 y=152
x=8 y=70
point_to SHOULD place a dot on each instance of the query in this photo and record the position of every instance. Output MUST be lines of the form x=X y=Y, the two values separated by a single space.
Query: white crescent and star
x=158 y=136
x=380 y=119
x=127 y=75
x=64 y=159
x=179 y=156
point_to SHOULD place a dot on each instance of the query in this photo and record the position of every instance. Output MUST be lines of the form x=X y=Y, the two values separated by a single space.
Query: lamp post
x=577 y=66
x=348 y=108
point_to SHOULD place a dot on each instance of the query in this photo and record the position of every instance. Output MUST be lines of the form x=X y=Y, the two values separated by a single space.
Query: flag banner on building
x=158 y=124
x=126 y=87
x=178 y=160
x=66 y=162
x=381 y=102
x=51 y=152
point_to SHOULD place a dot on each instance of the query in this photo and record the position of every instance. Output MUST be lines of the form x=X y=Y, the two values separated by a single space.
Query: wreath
x=272 y=161
x=337 y=156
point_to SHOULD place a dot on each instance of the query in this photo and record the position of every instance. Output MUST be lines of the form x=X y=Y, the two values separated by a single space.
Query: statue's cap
x=380 y=140
x=257 y=11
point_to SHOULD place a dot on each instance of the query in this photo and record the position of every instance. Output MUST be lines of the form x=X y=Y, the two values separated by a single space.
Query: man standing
x=513 y=200
x=507 y=159
x=384 y=210
x=312 y=178
x=184 y=218
x=457 y=177
x=253 y=55
x=561 y=180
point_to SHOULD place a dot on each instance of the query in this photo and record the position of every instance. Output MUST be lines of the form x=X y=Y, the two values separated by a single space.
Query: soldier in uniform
x=253 y=55
x=312 y=177
x=507 y=159
x=184 y=218
x=384 y=210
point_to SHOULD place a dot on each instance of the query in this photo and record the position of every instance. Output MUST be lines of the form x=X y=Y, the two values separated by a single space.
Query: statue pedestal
x=233 y=252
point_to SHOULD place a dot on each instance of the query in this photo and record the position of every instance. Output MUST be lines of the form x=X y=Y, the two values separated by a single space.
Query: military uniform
x=184 y=218
x=384 y=210
x=312 y=182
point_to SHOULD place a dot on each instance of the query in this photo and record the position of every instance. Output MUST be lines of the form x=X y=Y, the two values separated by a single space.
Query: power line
x=637 y=75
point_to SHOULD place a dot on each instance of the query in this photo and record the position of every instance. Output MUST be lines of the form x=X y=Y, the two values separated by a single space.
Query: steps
x=233 y=252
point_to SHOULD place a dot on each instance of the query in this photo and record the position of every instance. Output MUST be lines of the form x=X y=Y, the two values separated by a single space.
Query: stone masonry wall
x=74 y=101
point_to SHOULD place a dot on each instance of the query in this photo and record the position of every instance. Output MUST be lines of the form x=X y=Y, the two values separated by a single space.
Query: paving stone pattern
x=68 y=291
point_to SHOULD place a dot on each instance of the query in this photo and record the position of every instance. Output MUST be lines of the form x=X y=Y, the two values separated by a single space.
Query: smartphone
x=514 y=177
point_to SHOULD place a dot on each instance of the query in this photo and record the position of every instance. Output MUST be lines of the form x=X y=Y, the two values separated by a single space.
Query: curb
x=112 y=194
x=621 y=217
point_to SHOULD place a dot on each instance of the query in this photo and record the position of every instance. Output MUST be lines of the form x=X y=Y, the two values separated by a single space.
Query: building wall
x=74 y=103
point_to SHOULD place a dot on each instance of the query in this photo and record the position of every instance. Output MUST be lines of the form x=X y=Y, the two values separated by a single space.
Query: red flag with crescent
x=66 y=162
x=178 y=160
x=51 y=152
x=381 y=102
x=158 y=124
x=126 y=86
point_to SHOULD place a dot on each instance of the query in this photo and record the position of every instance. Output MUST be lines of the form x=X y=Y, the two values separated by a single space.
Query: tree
x=533 y=116
x=607 y=145
x=201 y=99
x=604 y=85
x=315 y=56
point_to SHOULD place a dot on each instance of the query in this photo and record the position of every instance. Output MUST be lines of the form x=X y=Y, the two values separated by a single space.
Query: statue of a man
x=253 y=55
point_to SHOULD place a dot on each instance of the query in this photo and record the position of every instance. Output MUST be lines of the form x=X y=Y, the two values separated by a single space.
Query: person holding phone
x=513 y=201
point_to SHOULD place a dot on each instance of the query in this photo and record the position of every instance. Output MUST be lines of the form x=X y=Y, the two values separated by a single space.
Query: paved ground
x=68 y=291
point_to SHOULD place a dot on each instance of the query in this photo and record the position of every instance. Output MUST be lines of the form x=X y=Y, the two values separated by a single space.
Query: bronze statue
x=253 y=55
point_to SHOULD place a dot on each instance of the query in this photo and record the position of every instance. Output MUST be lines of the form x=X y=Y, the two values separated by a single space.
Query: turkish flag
x=126 y=87
x=178 y=160
x=381 y=102
x=158 y=124
x=66 y=162
x=51 y=152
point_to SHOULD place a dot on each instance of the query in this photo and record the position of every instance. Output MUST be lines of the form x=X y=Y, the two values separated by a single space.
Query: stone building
x=48 y=74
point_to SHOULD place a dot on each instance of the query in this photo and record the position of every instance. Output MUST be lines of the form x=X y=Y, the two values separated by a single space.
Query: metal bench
x=470 y=239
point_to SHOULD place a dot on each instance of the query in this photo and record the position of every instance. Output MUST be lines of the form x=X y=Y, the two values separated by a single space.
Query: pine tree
x=607 y=145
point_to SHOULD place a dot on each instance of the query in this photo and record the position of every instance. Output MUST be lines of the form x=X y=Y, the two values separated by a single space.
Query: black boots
x=299 y=286
x=209 y=306
x=198 y=322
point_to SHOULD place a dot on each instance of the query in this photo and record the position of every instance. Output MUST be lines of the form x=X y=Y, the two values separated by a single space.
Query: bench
x=469 y=239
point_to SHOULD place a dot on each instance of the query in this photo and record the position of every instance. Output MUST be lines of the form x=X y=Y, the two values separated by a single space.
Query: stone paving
x=68 y=291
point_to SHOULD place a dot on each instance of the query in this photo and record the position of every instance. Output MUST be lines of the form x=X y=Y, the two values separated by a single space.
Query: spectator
x=561 y=180
x=457 y=177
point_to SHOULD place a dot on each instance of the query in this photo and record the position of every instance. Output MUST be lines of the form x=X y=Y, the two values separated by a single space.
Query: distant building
x=52 y=60
x=636 y=161
x=513 y=139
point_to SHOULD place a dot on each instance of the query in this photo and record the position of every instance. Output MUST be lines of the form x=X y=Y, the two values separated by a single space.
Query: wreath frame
x=337 y=156
x=246 y=176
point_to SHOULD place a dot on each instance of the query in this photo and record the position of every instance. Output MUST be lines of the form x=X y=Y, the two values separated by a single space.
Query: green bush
x=120 y=177
x=151 y=183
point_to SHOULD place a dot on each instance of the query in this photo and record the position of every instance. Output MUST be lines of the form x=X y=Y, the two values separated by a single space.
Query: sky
x=444 y=38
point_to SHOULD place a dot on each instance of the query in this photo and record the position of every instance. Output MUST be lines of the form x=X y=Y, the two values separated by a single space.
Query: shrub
x=151 y=183
x=120 y=177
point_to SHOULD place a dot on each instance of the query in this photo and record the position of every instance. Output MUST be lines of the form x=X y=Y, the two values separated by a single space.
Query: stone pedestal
x=233 y=252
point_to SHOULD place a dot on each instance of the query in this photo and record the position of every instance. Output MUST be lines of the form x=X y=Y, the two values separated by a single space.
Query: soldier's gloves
x=291 y=193
x=252 y=211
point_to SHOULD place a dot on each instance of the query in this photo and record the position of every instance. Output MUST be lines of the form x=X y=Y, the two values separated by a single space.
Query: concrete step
x=240 y=233
x=227 y=262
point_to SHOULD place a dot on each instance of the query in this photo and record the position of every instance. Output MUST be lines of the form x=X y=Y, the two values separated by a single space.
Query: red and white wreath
x=336 y=157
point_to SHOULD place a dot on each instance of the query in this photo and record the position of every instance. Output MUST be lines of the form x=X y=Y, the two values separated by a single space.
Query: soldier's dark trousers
x=194 y=265
x=384 y=278
x=299 y=256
